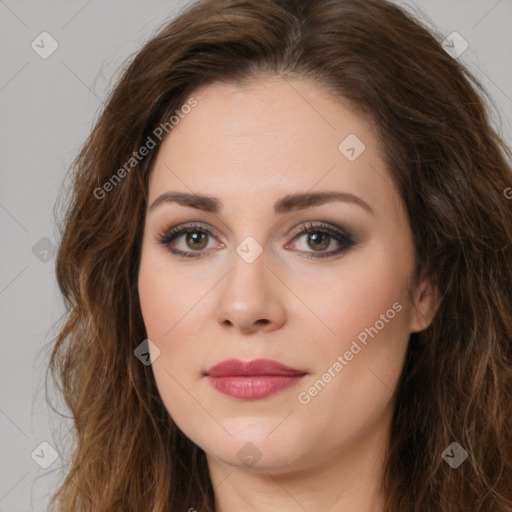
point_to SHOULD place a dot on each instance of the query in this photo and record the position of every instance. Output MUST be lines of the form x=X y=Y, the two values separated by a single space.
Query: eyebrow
x=298 y=201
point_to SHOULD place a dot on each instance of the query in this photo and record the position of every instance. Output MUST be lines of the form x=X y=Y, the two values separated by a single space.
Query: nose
x=251 y=297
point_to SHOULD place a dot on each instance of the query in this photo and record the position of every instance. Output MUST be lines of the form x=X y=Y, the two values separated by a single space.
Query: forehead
x=268 y=137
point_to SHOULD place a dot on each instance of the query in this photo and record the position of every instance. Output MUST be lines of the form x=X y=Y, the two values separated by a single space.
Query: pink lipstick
x=252 y=380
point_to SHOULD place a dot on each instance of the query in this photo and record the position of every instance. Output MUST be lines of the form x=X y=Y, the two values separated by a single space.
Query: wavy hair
x=453 y=173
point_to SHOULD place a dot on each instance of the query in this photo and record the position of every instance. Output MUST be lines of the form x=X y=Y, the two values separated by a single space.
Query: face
x=323 y=287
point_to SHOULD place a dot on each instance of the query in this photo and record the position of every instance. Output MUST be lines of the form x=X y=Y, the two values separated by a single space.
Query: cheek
x=174 y=308
x=167 y=307
x=356 y=298
x=164 y=297
x=357 y=361
x=154 y=301
x=360 y=357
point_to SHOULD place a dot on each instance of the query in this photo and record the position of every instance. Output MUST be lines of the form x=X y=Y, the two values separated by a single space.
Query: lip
x=235 y=367
x=252 y=380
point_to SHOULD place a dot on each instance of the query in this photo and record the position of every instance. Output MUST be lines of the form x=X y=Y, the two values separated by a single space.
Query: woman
x=287 y=267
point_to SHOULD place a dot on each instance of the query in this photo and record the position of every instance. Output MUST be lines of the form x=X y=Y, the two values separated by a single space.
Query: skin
x=249 y=146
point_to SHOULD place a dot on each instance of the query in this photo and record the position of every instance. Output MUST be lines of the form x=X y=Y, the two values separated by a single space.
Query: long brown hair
x=453 y=173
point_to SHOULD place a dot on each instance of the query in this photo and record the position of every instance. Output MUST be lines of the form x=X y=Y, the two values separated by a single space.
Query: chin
x=257 y=452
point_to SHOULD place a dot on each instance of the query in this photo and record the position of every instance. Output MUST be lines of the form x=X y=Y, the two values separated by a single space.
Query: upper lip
x=234 y=367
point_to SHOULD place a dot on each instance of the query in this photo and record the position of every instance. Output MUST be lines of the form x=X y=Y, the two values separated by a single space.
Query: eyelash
x=339 y=235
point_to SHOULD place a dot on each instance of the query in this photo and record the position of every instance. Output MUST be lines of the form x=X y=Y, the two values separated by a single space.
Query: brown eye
x=318 y=241
x=195 y=242
x=319 y=238
x=196 y=239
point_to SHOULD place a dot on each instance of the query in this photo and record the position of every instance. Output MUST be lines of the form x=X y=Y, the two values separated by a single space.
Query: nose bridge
x=249 y=268
x=248 y=295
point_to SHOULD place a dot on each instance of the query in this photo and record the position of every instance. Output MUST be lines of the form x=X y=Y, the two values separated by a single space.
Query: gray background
x=47 y=109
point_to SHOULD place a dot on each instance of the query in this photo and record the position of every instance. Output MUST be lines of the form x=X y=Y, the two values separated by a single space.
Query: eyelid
x=300 y=228
x=197 y=225
x=322 y=225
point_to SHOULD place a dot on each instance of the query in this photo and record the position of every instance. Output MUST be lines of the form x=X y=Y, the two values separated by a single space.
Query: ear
x=426 y=303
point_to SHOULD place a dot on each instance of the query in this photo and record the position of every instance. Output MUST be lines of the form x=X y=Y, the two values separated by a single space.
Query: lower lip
x=254 y=387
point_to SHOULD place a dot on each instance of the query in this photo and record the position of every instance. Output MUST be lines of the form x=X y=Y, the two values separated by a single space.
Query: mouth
x=252 y=380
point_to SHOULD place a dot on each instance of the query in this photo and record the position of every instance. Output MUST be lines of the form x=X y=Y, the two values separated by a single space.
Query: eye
x=196 y=238
x=319 y=237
